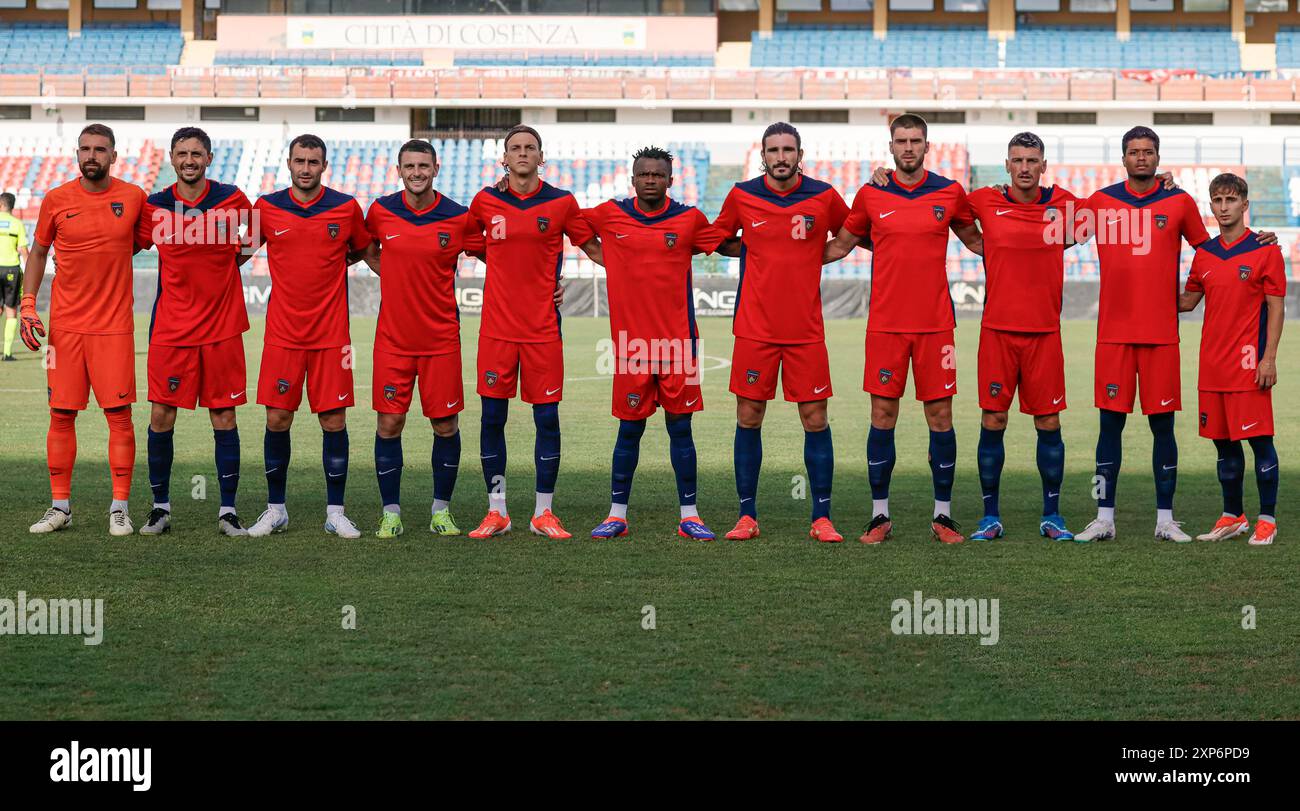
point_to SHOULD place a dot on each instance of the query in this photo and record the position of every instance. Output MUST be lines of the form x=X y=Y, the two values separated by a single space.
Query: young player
x=91 y=224
x=519 y=334
x=1244 y=284
x=911 y=313
x=13 y=254
x=784 y=218
x=312 y=234
x=196 y=346
x=418 y=236
x=1139 y=226
x=647 y=242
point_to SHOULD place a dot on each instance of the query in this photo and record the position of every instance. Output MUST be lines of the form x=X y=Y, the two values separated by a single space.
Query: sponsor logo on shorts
x=390 y=392
x=938 y=212
x=118 y=208
x=543 y=223
x=751 y=376
x=1243 y=272
x=1112 y=390
x=633 y=399
x=670 y=239
x=173 y=383
x=995 y=389
x=333 y=229
x=884 y=375
x=282 y=386
x=1161 y=221
x=1205 y=418
x=444 y=239
x=490 y=378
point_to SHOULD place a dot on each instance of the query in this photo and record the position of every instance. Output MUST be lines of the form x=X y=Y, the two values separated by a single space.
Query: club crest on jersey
x=173 y=383
x=808 y=221
x=444 y=239
x=1052 y=212
x=1161 y=221
x=333 y=229
x=670 y=239
x=751 y=376
x=118 y=208
x=1204 y=418
x=490 y=378
x=390 y=392
x=543 y=223
x=995 y=389
x=633 y=399
x=1243 y=272
x=1112 y=390
x=938 y=212
x=884 y=375
x=282 y=386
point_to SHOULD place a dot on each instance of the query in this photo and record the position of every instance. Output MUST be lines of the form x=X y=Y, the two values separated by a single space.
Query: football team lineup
x=782 y=225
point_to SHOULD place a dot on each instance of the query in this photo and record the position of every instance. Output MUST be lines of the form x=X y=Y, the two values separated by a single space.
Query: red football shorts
x=934 y=364
x=536 y=368
x=442 y=393
x=1236 y=414
x=636 y=394
x=1121 y=368
x=328 y=373
x=804 y=368
x=213 y=375
x=75 y=363
x=1030 y=361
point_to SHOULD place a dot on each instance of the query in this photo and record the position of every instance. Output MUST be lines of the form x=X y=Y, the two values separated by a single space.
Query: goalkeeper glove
x=30 y=323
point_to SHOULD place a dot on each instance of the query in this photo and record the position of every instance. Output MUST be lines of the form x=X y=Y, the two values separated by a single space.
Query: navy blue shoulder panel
x=1120 y=192
x=445 y=210
x=932 y=183
x=808 y=187
x=329 y=200
x=545 y=194
x=674 y=209
x=217 y=193
x=1215 y=247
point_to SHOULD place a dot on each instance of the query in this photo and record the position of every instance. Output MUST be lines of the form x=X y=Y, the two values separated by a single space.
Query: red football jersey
x=525 y=253
x=417 y=280
x=306 y=247
x=648 y=266
x=1024 y=257
x=1139 y=238
x=908 y=228
x=783 y=235
x=1235 y=279
x=93 y=234
x=200 y=297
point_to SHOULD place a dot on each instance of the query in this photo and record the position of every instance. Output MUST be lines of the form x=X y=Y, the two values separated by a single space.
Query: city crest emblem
x=543 y=223
x=1161 y=221
x=995 y=389
x=884 y=375
x=118 y=208
x=633 y=399
x=808 y=221
x=282 y=386
x=390 y=392
x=751 y=376
x=334 y=230
x=490 y=378
x=670 y=239
x=1112 y=390
x=1243 y=272
x=444 y=239
x=938 y=213
x=173 y=383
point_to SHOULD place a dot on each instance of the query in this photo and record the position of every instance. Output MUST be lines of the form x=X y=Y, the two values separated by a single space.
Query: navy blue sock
x=160 y=464
x=1051 y=468
x=227 y=450
x=880 y=460
x=492 y=443
x=334 y=458
x=1164 y=459
x=388 y=469
x=546 y=447
x=446 y=464
x=275 y=449
x=748 y=459
x=681 y=449
x=627 y=450
x=943 y=462
x=1266 y=474
x=1110 y=452
x=1232 y=475
x=990 y=455
x=819 y=461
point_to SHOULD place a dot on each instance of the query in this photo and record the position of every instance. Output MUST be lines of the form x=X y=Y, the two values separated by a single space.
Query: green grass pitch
x=200 y=626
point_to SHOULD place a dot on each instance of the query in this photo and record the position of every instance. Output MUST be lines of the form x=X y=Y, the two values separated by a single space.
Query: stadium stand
x=600 y=59
x=1208 y=50
x=144 y=47
x=856 y=46
x=320 y=58
x=29 y=167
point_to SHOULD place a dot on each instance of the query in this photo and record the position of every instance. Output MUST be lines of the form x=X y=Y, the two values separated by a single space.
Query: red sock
x=121 y=450
x=61 y=452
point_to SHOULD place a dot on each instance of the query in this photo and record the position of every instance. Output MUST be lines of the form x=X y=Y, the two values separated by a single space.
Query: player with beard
x=910 y=316
x=91 y=224
x=783 y=218
x=196 y=347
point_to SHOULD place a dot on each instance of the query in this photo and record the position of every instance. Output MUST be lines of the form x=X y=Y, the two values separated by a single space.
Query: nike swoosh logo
x=391 y=236
x=885 y=214
x=1170 y=467
x=123 y=395
x=619 y=492
x=690 y=403
x=1002 y=211
x=228 y=475
x=272 y=470
x=336 y=475
x=489 y=456
x=342 y=397
x=1058 y=399
x=1248 y=427
x=452 y=403
x=688 y=495
x=986 y=498
x=942 y=466
x=950 y=385
x=386 y=472
x=72 y=214
x=821 y=389
x=1053 y=495
x=755 y=224
x=549 y=392
x=444 y=464
x=873 y=464
x=1104 y=464
x=1206 y=275
x=1267 y=469
x=822 y=500
x=1166 y=402
x=235 y=395
x=621 y=236
x=548 y=458
x=285 y=231
x=743 y=500
x=1112 y=222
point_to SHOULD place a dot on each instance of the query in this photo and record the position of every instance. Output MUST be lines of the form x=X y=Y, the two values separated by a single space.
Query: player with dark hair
x=910 y=316
x=1243 y=283
x=519 y=335
x=647 y=242
x=13 y=253
x=91 y=224
x=783 y=218
x=417 y=237
x=196 y=347
x=312 y=233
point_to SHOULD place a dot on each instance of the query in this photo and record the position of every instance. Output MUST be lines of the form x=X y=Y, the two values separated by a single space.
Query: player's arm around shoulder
x=855 y=230
x=963 y=223
x=1193 y=291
